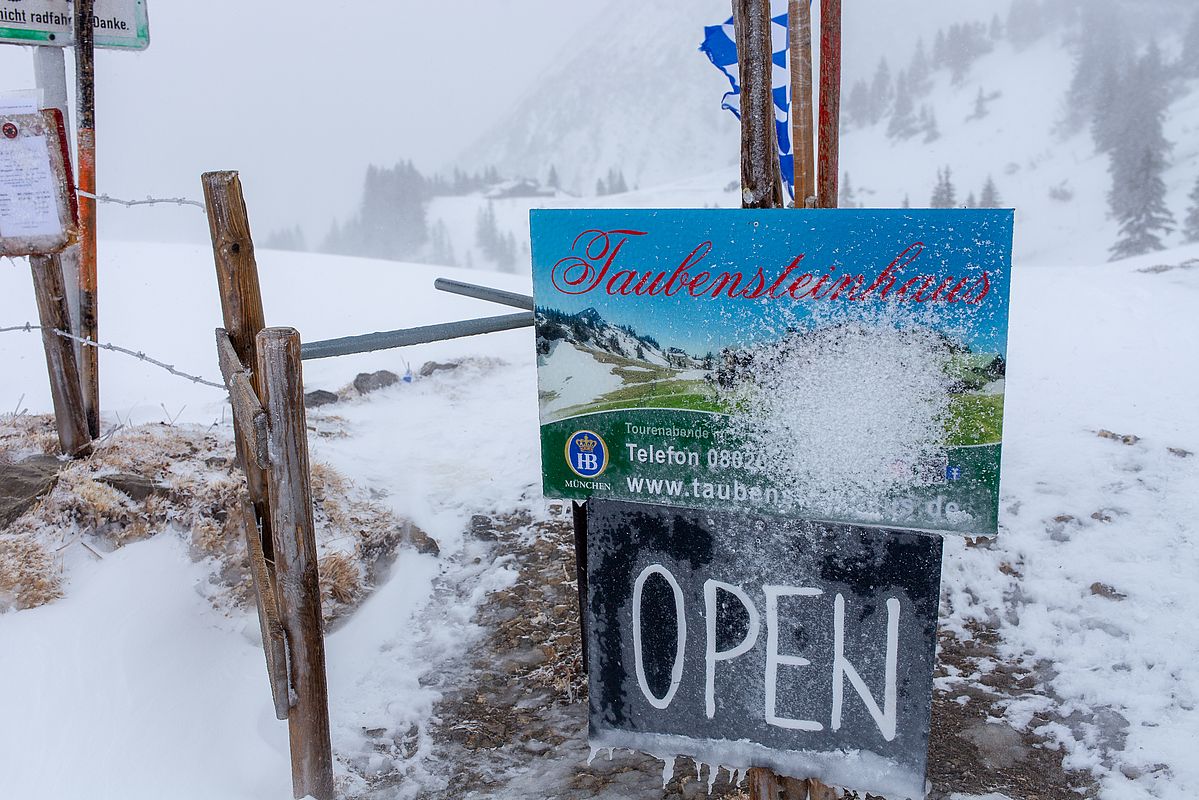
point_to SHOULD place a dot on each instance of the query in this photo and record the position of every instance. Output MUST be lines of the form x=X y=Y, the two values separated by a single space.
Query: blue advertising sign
x=838 y=365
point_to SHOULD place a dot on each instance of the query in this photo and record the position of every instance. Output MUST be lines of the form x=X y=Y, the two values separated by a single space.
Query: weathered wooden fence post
x=241 y=307
x=761 y=182
x=65 y=389
x=296 y=578
x=761 y=179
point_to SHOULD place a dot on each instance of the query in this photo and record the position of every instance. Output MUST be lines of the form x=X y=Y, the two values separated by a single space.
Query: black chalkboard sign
x=744 y=641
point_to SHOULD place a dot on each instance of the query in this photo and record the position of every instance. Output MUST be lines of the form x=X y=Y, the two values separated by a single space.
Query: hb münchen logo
x=586 y=454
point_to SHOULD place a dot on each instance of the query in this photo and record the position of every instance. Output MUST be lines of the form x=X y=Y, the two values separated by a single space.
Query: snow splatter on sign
x=37 y=212
x=118 y=24
x=841 y=365
x=740 y=641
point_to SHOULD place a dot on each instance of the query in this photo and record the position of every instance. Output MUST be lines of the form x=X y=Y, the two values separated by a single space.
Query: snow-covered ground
x=134 y=685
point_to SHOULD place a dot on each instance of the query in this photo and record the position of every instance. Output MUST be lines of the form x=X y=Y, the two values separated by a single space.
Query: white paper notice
x=28 y=198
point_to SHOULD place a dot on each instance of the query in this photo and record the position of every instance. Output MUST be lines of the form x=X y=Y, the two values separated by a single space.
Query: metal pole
x=830 y=102
x=50 y=73
x=799 y=22
x=484 y=293
x=88 y=312
x=369 y=342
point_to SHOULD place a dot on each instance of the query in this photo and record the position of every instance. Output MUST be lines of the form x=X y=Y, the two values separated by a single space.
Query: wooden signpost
x=38 y=218
x=753 y=574
x=50 y=25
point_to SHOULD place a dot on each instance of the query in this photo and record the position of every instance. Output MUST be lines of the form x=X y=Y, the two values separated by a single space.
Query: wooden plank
x=830 y=103
x=761 y=181
x=794 y=789
x=274 y=643
x=249 y=418
x=241 y=309
x=227 y=357
x=70 y=414
x=297 y=587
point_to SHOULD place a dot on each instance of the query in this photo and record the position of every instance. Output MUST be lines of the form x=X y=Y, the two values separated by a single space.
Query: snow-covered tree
x=1024 y=23
x=990 y=195
x=903 y=116
x=928 y=124
x=944 y=195
x=919 y=71
x=971 y=202
x=857 y=104
x=1138 y=159
x=1189 y=63
x=848 y=199
x=1190 y=226
x=880 y=91
x=1108 y=119
x=552 y=180
x=907 y=202
x=1102 y=42
x=980 y=105
x=995 y=31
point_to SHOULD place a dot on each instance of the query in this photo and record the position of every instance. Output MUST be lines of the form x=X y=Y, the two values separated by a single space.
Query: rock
x=1181 y=453
x=998 y=743
x=367 y=382
x=320 y=397
x=137 y=487
x=1124 y=438
x=1104 y=590
x=423 y=542
x=430 y=367
x=24 y=483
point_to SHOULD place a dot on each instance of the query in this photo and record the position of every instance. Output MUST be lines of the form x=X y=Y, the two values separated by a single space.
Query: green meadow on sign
x=839 y=365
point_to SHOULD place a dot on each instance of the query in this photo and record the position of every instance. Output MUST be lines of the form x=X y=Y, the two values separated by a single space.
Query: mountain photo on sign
x=838 y=365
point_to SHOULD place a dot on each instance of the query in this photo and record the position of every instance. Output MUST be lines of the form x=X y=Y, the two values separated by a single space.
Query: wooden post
x=799 y=23
x=830 y=102
x=89 y=328
x=65 y=389
x=763 y=784
x=297 y=587
x=761 y=180
x=241 y=308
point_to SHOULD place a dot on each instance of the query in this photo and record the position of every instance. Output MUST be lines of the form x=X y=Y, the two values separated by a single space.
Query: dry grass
x=194 y=484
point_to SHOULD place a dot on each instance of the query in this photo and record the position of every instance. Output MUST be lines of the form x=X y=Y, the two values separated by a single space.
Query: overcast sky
x=301 y=96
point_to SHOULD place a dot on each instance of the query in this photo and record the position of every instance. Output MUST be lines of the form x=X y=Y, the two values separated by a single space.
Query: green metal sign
x=119 y=24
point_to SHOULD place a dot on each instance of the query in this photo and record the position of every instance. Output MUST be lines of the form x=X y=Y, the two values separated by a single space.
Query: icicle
x=712 y=770
x=594 y=752
x=668 y=770
x=611 y=750
x=699 y=770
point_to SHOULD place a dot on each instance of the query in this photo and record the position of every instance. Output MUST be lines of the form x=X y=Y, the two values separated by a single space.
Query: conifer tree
x=1189 y=63
x=928 y=124
x=970 y=201
x=880 y=92
x=919 y=72
x=980 y=105
x=601 y=188
x=903 y=117
x=990 y=195
x=848 y=199
x=1190 y=226
x=552 y=180
x=907 y=202
x=1138 y=160
x=857 y=105
x=1102 y=41
x=944 y=195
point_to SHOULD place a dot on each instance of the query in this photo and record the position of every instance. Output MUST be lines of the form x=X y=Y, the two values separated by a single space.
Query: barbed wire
x=149 y=201
x=29 y=328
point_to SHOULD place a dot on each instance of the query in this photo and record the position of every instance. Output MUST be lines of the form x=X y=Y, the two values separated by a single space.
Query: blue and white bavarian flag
x=720 y=46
